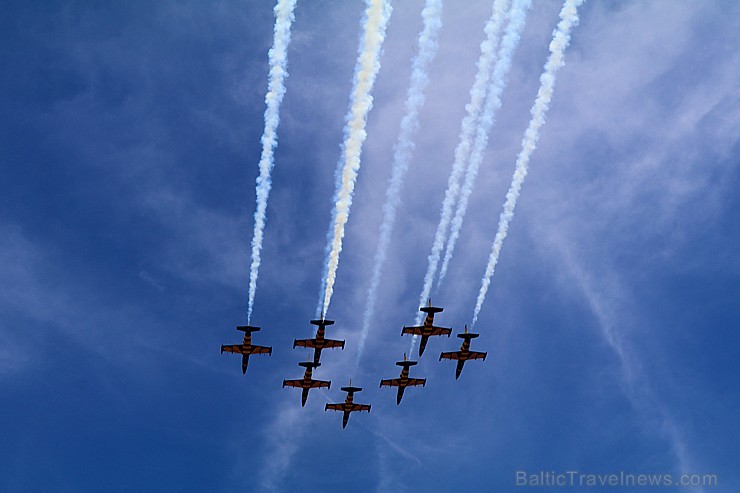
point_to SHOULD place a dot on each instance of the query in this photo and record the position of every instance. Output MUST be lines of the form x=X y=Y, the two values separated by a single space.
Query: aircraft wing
x=261 y=350
x=417 y=330
x=360 y=407
x=440 y=331
x=451 y=355
x=416 y=381
x=233 y=348
x=458 y=355
x=390 y=382
x=331 y=343
x=293 y=383
x=334 y=407
x=317 y=384
x=304 y=343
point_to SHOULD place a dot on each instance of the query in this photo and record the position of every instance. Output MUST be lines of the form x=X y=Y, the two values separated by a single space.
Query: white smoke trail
x=517 y=19
x=477 y=97
x=432 y=15
x=560 y=41
x=375 y=21
x=278 y=59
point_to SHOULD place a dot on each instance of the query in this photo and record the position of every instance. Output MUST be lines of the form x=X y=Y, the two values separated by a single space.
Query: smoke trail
x=477 y=96
x=432 y=15
x=278 y=59
x=517 y=19
x=375 y=21
x=560 y=41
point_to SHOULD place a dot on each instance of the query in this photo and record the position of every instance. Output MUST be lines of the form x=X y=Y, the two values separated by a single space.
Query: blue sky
x=129 y=146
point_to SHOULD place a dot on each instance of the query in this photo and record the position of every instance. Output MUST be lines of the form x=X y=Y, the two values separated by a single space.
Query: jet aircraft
x=348 y=406
x=464 y=354
x=319 y=342
x=428 y=329
x=307 y=383
x=403 y=381
x=246 y=348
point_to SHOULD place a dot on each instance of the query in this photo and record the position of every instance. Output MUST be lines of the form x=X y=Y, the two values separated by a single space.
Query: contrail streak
x=403 y=151
x=560 y=41
x=517 y=19
x=477 y=97
x=375 y=21
x=278 y=59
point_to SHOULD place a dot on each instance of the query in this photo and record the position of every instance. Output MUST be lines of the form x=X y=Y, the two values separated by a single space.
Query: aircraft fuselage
x=246 y=349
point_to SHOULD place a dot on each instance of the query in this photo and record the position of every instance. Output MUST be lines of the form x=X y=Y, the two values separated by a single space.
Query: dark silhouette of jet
x=428 y=329
x=319 y=342
x=246 y=348
x=307 y=383
x=403 y=381
x=464 y=354
x=348 y=406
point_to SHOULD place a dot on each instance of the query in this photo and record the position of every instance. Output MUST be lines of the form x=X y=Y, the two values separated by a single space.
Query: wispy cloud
x=605 y=300
x=283 y=437
x=406 y=454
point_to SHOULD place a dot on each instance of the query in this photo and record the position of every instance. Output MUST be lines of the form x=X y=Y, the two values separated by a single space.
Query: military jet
x=246 y=348
x=464 y=354
x=428 y=329
x=403 y=381
x=307 y=383
x=319 y=342
x=348 y=406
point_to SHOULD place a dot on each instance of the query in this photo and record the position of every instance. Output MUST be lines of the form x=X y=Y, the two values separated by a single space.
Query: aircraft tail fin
x=351 y=389
x=407 y=363
x=247 y=328
x=468 y=335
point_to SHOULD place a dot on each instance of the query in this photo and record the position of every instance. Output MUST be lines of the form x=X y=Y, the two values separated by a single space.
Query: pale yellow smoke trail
x=403 y=151
x=375 y=22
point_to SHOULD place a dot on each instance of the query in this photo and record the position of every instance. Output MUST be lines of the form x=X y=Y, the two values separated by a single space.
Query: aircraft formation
x=319 y=342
